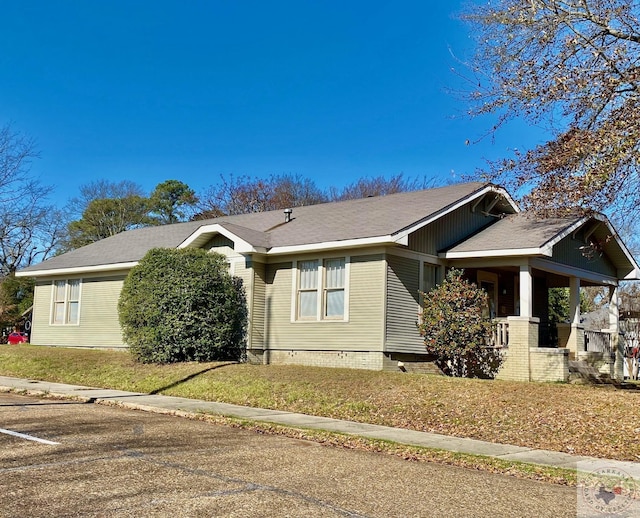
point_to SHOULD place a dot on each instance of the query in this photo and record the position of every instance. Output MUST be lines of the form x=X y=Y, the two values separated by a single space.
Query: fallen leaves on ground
x=598 y=421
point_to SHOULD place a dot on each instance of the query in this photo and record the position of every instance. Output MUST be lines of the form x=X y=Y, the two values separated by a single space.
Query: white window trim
x=66 y=302
x=320 y=305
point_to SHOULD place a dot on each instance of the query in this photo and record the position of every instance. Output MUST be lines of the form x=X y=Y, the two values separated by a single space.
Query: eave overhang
x=78 y=270
x=507 y=252
x=337 y=245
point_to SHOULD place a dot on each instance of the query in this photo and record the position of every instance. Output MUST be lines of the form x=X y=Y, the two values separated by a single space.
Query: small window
x=66 y=302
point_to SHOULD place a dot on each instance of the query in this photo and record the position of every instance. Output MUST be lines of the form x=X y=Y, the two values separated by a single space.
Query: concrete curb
x=184 y=406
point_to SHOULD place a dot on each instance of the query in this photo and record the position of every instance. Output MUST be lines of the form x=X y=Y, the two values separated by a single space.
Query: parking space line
x=27 y=437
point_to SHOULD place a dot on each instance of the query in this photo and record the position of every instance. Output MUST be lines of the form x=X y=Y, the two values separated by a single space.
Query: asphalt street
x=81 y=459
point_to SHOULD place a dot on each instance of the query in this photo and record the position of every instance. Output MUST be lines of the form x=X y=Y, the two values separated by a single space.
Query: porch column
x=574 y=300
x=523 y=337
x=523 y=333
x=614 y=330
x=571 y=335
x=526 y=291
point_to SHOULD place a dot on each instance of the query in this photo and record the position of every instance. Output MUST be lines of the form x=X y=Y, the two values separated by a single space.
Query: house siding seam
x=403 y=306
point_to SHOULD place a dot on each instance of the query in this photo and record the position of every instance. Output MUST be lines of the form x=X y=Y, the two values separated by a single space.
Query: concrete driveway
x=115 y=462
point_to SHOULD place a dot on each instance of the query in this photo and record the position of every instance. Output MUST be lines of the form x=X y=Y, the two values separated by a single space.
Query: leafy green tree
x=107 y=208
x=182 y=305
x=572 y=67
x=454 y=330
x=107 y=217
x=558 y=305
x=103 y=209
x=170 y=200
x=102 y=190
x=591 y=298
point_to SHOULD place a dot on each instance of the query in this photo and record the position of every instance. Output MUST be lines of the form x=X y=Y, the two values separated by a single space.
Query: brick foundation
x=342 y=359
x=523 y=335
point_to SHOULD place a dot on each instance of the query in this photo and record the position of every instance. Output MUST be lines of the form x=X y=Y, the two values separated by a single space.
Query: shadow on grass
x=629 y=386
x=190 y=377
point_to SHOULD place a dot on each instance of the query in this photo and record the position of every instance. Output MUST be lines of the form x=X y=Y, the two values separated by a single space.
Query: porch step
x=421 y=368
x=579 y=369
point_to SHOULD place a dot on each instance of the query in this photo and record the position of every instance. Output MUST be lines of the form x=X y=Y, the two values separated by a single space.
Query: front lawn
x=577 y=419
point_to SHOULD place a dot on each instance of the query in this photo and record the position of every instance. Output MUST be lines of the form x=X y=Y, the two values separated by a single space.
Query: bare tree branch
x=574 y=67
x=28 y=228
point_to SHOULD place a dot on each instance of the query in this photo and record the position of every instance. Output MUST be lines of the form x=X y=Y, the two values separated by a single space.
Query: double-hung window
x=334 y=273
x=308 y=289
x=66 y=302
x=320 y=293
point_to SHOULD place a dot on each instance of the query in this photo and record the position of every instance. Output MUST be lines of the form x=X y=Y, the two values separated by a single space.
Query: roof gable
x=524 y=234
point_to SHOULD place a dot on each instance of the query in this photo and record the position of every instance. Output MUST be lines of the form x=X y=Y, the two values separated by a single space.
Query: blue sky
x=189 y=90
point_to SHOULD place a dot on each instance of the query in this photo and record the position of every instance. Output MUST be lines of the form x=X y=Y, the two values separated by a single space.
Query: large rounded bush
x=455 y=331
x=183 y=305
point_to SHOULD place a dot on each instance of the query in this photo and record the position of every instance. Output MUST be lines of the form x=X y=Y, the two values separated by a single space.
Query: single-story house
x=337 y=284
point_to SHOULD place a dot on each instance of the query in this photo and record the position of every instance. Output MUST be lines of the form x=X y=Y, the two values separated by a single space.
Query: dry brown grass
x=578 y=419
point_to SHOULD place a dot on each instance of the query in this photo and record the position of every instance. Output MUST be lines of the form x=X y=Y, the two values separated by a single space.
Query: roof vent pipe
x=287 y=215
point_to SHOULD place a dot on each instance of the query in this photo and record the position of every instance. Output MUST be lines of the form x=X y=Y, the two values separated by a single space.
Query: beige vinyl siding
x=449 y=230
x=98 y=325
x=243 y=268
x=362 y=332
x=403 y=305
x=258 y=306
x=221 y=245
x=245 y=272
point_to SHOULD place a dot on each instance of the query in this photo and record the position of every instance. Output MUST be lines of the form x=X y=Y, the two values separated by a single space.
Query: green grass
x=577 y=419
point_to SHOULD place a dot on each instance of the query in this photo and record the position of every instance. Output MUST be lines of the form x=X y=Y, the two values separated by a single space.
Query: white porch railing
x=500 y=336
x=597 y=341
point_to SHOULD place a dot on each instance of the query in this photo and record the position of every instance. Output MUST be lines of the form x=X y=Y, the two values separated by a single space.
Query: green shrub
x=182 y=305
x=454 y=330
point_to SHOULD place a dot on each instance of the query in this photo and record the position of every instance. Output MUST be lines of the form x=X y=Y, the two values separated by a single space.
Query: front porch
x=536 y=348
x=518 y=260
x=552 y=363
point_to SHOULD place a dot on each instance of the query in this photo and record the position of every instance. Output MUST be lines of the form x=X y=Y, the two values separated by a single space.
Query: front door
x=489 y=282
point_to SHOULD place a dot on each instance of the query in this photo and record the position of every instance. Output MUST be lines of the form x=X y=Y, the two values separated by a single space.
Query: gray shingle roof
x=516 y=232
x=338 y=221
